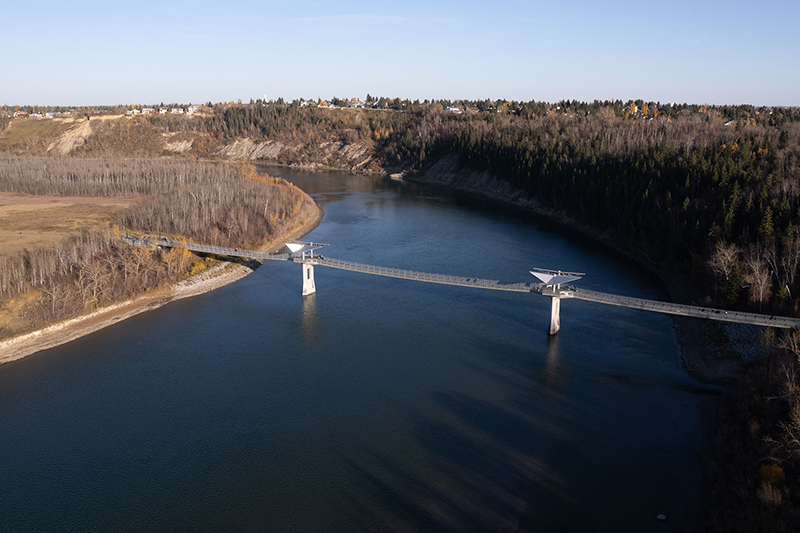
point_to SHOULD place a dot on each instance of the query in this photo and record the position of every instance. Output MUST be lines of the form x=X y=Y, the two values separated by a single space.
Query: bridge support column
x=308 y=280
x=555 y=315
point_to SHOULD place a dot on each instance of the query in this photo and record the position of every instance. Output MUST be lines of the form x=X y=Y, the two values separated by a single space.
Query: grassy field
x=28 y=221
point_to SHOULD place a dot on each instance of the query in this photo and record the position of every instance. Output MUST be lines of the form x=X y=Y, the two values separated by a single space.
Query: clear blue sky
x=84 y=53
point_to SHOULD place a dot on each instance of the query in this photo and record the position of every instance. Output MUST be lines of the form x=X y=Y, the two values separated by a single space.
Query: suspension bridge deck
x=475 y=283
x=687 y=310
x=478 y=283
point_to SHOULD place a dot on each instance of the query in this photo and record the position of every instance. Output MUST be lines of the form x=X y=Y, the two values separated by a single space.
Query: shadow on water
x=485 y=455
x=533 y=457
x=309 y=320
x=480 y=471
x=551 y=363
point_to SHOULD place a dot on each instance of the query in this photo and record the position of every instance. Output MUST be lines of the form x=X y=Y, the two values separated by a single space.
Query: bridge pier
x=308 y=279
x=556 y=294
x=555 y=315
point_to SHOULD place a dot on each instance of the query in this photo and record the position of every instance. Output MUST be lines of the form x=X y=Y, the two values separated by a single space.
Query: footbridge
x=554 y=284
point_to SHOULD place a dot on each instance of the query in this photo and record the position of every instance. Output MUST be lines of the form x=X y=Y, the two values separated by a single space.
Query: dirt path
x=63 y=332
x=73 y=137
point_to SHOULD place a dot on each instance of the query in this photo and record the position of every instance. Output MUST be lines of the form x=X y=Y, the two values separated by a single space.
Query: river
x=376 y=404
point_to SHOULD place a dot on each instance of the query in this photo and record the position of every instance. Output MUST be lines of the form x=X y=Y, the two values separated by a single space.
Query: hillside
x=341 y=148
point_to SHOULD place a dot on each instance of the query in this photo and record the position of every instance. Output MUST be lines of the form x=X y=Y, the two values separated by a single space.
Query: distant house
x=20 y=114
x=162 y=111
x=147 y=110
x=176 y=111
x=454 y=110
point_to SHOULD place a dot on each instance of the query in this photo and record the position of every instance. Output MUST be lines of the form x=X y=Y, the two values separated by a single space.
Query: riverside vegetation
x=711 y=193
x=219 y=203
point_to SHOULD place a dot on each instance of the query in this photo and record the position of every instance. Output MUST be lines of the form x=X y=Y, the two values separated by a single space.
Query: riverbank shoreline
x=63 y=332
x=699 y=356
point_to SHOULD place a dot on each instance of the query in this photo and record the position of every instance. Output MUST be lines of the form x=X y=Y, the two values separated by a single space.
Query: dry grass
x=32 y=135
x=28 y=221
x=12 y=311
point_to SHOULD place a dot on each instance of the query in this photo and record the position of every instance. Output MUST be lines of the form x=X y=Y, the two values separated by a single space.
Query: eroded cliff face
x=446 y=171
x=354 y=157
x=248 y=149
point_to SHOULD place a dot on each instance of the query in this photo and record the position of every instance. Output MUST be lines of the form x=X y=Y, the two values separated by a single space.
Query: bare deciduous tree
x=757 y=276
x=723 y=260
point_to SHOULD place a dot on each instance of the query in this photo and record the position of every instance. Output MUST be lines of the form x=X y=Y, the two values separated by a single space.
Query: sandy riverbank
x=68 y=330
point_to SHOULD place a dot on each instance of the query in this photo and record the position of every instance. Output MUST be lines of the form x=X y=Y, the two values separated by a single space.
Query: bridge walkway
x=477 y=283
x=442 y=279
x=208 y=249
x=687 y=310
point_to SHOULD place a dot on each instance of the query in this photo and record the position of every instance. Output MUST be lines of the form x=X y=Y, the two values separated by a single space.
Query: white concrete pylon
x=308 y=280
x=555 y=315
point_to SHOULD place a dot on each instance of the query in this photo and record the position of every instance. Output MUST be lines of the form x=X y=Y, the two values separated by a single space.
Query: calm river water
x=377 y=404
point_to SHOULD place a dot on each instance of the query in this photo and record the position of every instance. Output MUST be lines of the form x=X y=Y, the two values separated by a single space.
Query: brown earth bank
x=219 y=276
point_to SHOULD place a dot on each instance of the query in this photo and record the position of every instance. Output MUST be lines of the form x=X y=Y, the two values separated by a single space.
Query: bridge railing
x=430 y=277
x=206 y=248
x=688 y=310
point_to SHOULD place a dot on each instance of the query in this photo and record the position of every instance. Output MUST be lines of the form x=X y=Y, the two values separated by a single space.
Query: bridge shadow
x=481 y=471
x=308 y=322
x=252 y=264
x=485 y=458
x=550 y=371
